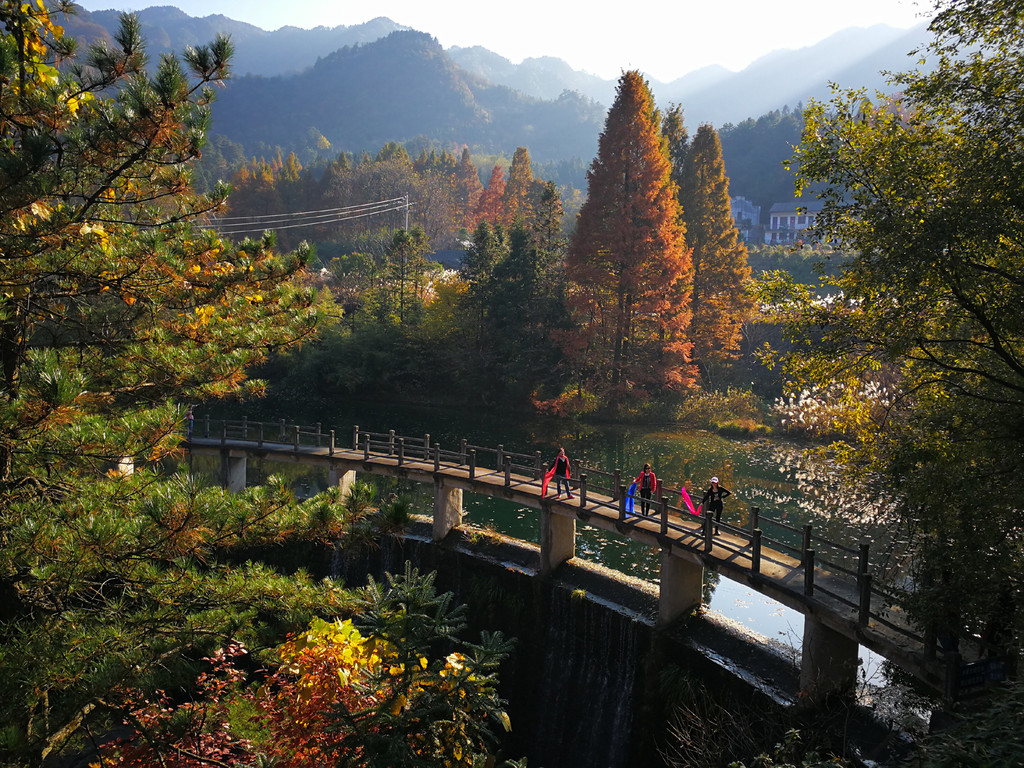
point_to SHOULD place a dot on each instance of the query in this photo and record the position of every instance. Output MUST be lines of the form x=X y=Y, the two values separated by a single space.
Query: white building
x=787 y=222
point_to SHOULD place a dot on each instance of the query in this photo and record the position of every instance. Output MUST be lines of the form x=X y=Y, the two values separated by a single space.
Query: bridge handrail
x=531 y=466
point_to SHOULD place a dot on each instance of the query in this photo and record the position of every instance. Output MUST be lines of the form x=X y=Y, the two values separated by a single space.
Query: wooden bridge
x=831 y=584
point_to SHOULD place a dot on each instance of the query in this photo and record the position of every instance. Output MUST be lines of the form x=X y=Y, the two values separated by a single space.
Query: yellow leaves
x=204 y=314
x=95 y=233
x=41 y=210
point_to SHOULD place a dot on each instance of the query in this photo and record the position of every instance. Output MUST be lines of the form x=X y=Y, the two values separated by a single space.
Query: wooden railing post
x=805 y=546
x=223 y=432
x=437 y=457
x=664 y=512
x=755 y=518
x=206 y=432
x=355 y=437
x=426 y=446
x=500 y=462
x=617 y=486
x=808 y=571
x=391 y=442
x=401 y=450
x=865 y=600
x=863 y=562
x=583 y=490
x=259 y=442
x=462 y=451
x=280 y=423
x=295 y=439
x=507 y=465
x=755 y=551
x=366 y=447
x=472 y=463
x=330 y=447
x=621 y=489
x=709 y=522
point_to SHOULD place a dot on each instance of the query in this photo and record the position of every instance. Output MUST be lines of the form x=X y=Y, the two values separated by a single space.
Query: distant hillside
x=401 y=88
x=853 y=58
x=257 y=52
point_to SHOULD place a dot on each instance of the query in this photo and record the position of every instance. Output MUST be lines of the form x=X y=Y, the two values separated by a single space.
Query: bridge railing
x=822 y=561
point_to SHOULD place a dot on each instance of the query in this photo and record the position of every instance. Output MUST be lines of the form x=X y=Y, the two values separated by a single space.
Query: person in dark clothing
x=712 y=499
x=560 y=470
x=646 y=483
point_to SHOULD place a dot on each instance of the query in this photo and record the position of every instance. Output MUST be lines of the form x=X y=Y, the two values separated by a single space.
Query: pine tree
x=629 y=271
x=115 y=309
x=721 y=302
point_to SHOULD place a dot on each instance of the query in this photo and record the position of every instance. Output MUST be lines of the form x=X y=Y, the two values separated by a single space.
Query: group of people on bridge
x=645 y=484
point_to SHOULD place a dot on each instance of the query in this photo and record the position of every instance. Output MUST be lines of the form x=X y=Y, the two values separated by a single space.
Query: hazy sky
x=664 y=39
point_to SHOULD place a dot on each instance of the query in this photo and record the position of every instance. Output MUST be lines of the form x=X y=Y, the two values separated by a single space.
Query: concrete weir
x=586 y=681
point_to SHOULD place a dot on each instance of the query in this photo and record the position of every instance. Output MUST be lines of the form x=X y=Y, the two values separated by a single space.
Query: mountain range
x=361 y=86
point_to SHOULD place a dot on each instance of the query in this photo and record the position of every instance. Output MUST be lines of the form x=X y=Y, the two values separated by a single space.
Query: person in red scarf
x=646 y=484
x=560 y=471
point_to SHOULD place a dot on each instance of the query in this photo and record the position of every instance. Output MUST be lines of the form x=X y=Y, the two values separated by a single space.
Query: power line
x=239 y=225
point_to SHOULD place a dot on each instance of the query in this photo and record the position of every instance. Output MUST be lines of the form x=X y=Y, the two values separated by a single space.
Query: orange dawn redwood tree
x=720 y=300
x=629 y=272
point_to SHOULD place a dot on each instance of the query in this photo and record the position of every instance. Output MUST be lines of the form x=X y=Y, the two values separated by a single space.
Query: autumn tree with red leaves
x=489 y=207
x=629 y=270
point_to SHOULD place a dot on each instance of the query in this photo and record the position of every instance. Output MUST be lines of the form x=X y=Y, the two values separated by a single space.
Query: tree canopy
x=629 y=269
x=924 y=342
x=116 y=310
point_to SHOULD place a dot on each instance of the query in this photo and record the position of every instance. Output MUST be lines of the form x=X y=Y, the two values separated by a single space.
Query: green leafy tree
x=924 y=350
x=629 y=271
x=721 y=302
x=114 y=309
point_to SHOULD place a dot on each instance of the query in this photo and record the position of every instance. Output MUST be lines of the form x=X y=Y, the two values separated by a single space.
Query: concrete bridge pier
x=557 y=539
x=232 y=470
x=829 y=664
x=343 y=478
x=447 y=508
x=682 y=587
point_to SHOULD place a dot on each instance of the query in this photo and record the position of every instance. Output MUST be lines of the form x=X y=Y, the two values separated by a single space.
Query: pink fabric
x=687 y=501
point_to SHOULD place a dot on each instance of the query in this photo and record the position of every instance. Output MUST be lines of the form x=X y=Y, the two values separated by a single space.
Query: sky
x=664 y=39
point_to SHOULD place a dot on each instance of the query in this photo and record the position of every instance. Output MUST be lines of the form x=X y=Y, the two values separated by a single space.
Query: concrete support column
x=682 y=587
x=341 y=478
x=232 y=470
x=447 y=509
x=829 y=664
x=557 y=539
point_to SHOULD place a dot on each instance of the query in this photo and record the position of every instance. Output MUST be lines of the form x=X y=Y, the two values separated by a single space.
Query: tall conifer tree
x=629 y=271
x=720 y=301
x=516 y=200
x=489 y=207
x=467 y=189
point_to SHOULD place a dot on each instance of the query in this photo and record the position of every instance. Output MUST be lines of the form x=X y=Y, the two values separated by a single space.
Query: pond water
x=772 y=474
